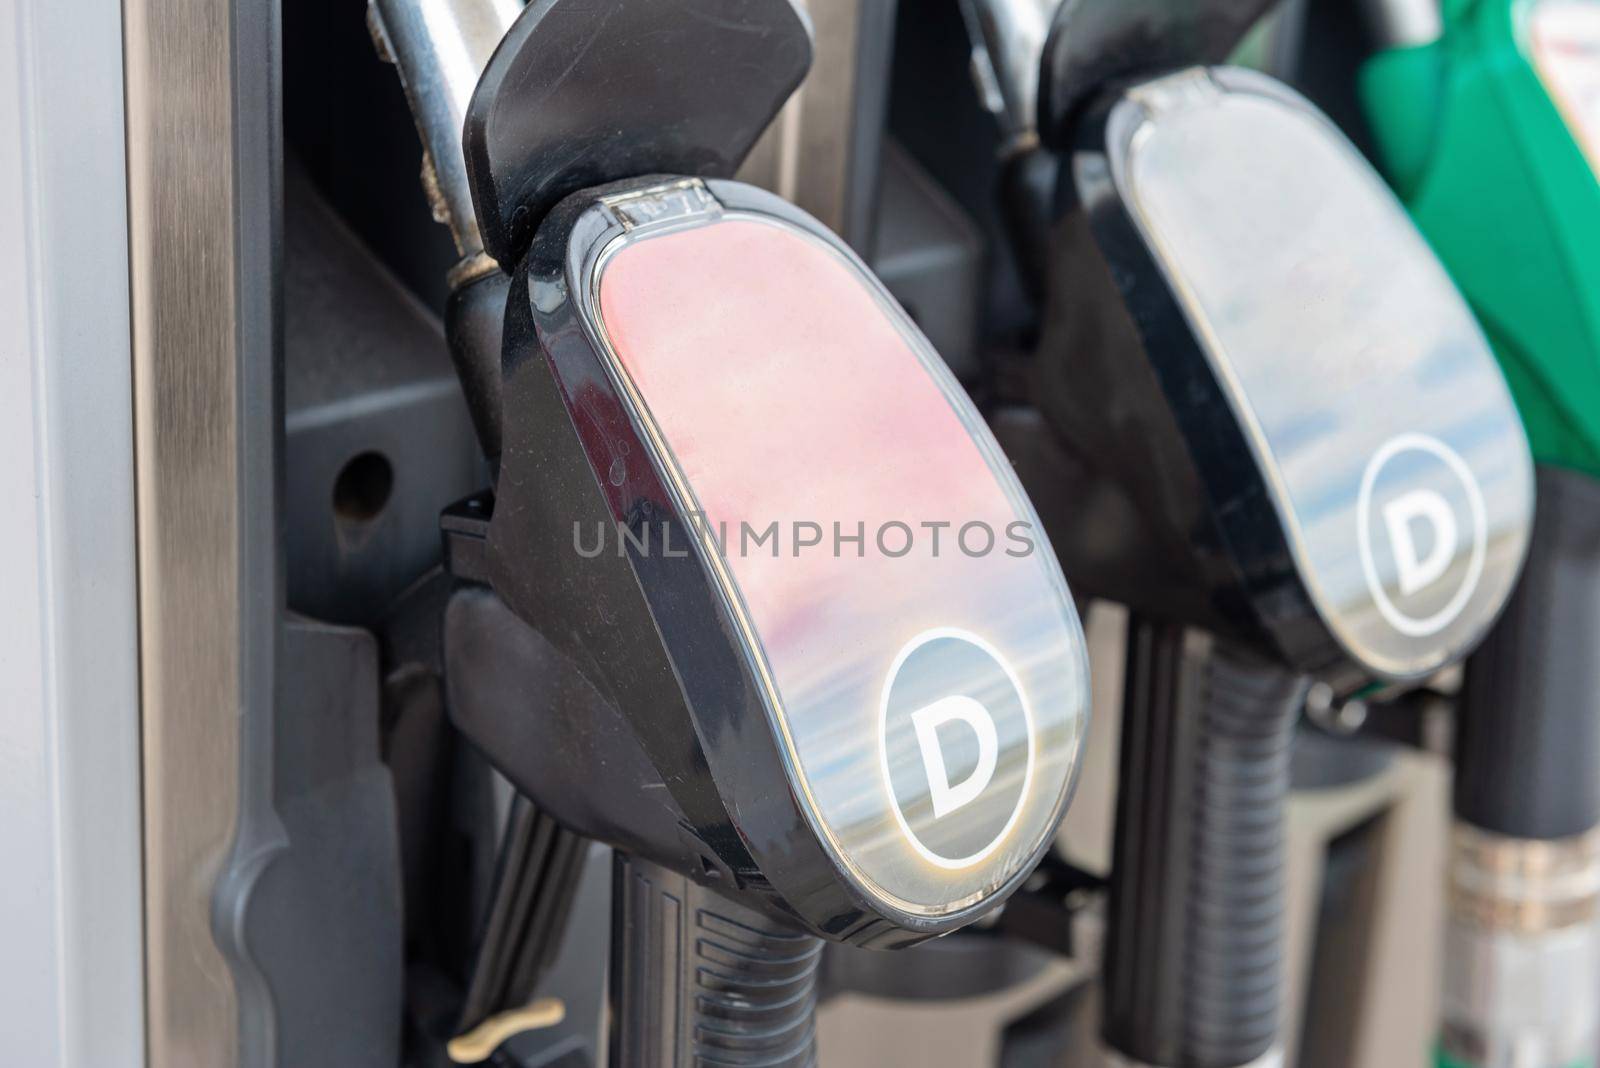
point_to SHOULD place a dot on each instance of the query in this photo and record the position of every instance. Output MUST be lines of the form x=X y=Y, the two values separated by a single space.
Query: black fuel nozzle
x=760 y=602
x=1248 y=336
x=1306 y=465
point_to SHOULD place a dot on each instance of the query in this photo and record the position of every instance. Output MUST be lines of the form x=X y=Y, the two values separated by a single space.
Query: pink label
x=868 y=535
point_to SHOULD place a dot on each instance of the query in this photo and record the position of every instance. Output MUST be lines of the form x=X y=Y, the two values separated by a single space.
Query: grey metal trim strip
x=203 y=151
x=822 y=151
x=180 y=222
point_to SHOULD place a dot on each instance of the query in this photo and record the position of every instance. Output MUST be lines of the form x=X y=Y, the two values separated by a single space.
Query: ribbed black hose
x=535 y=879
x=1233 y=958
x=1194 y=947
x=699 y=981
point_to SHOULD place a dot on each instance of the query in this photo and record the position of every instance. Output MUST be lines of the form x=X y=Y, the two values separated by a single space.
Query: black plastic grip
x=1528 y=741
x=1194 y=947
x=1143 y=1000
x=699 y=981
x=579 y=94
x=1095 y=43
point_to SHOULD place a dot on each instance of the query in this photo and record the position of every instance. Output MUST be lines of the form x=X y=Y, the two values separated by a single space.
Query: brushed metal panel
x=178 y=56
x=812 y=152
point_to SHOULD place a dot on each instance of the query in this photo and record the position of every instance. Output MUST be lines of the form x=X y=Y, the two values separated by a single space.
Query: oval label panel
x=924 y=664
x=1368 y=395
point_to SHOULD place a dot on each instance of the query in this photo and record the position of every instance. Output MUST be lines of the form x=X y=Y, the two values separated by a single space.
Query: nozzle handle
x=699 y=979
x=1194 y=944
x=580 y=94
x=1094 y=43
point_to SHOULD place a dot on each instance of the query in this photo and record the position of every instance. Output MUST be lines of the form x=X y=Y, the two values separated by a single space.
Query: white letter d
x=1398 y=516
x=927 y=720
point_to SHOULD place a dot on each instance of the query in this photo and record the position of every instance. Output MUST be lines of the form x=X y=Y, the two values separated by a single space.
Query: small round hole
x=362 y=488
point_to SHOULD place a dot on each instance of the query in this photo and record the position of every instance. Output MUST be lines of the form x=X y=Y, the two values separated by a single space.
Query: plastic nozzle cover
x=1354 y=441
x=868 y=637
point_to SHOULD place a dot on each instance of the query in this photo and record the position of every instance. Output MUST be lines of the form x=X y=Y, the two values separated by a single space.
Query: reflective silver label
x=921 y=656
x=1370 y=398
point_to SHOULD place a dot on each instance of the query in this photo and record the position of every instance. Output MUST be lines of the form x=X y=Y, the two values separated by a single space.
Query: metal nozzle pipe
x=440 y=48
x=1008 y=39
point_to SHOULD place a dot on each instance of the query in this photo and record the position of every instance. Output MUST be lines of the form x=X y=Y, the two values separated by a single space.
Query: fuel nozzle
x=760 y=603
x=1284 y=380
x=1305 y=462
x=730 y=458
